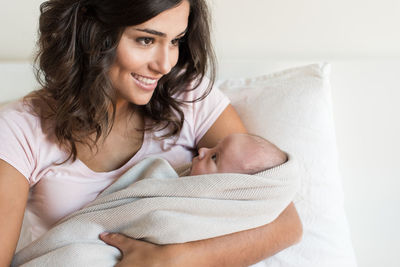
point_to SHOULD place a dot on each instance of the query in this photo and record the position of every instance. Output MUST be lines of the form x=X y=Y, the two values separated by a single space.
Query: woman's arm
x=238 y=249
x=227 y=123
x=246 y=247
x=14 y=190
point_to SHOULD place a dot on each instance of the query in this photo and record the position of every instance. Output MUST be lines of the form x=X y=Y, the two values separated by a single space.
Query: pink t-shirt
x=58 y=190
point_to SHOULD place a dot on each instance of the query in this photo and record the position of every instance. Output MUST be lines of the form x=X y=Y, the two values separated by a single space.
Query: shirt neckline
x=142 y=150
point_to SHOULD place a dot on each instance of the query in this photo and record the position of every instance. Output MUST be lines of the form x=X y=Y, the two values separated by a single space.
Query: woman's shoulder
x=194 y=89
x=19 y=120
x=19 y=111
x=25 y=145
x=201 y=89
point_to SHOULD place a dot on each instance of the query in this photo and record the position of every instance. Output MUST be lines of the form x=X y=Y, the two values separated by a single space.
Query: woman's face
x=146 y=52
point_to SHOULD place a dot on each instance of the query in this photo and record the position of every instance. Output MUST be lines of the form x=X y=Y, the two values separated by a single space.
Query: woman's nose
x=162 y=60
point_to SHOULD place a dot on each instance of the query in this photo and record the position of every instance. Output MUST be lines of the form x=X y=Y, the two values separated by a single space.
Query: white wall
x=348 y=33
x=277 y=29
x=259 y=28
x=18 y=26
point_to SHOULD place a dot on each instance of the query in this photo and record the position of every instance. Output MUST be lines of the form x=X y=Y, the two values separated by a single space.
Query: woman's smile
x=145 y=82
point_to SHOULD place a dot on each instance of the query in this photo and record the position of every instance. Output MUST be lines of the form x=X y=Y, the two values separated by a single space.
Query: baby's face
x=229 y=156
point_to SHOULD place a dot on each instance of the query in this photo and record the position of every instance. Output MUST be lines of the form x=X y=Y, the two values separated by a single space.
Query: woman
x=121 y=80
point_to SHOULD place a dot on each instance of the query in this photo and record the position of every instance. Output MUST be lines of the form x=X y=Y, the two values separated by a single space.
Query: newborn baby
x=238 y=153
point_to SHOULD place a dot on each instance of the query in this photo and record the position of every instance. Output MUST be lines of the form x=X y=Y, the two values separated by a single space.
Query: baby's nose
x=203 y=152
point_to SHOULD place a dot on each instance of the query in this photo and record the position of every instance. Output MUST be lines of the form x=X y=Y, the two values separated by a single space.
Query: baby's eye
x=145 y=41
x=214 y=157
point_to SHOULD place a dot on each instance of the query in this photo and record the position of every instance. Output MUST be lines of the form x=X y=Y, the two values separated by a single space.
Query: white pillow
x=293 y=109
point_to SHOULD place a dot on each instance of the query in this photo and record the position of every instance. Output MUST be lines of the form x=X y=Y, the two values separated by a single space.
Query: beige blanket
x=151 y=202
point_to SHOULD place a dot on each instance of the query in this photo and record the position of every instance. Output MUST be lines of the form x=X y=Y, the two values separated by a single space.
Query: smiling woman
x=120 y=81
x=113 y=63
x=145 y=53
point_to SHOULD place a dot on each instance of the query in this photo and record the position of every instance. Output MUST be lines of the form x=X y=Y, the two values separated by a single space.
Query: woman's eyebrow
x=161 y=34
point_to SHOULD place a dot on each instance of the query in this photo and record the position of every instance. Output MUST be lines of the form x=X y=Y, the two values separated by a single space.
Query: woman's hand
x=140 y=253
x=237 y=249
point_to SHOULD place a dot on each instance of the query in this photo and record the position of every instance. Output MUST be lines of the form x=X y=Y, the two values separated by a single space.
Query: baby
x=238 y=153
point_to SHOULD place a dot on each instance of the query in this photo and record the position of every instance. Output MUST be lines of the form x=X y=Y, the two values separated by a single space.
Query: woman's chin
x=141 y=101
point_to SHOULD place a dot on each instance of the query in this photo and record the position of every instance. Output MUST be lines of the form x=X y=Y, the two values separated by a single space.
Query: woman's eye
x=176 y=42
x=145 y=40
x=214 y=157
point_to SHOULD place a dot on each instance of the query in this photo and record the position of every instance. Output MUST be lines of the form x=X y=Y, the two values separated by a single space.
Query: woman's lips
x=144 y=82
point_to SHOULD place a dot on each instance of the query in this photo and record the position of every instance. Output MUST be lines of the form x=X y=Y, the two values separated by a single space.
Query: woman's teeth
x=144 y=80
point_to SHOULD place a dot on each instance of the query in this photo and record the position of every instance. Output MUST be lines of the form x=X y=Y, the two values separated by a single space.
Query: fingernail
x=104 y=234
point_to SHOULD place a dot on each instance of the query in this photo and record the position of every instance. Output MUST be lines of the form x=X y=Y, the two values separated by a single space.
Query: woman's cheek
x=174 y=58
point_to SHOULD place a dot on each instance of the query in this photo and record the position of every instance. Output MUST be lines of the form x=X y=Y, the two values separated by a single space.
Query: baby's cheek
x=197 y=168
x=193 y=170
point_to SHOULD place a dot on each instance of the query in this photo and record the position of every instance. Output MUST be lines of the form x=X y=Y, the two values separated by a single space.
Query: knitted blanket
x=151 y=202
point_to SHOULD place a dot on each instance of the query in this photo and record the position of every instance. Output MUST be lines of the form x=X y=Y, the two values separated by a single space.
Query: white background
x=361 y=38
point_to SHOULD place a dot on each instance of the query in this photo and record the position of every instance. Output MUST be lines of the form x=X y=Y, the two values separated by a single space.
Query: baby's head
x=238 y=153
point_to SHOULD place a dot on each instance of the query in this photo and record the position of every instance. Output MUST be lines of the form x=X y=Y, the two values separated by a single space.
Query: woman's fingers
x=138 y=253
x=120 y=241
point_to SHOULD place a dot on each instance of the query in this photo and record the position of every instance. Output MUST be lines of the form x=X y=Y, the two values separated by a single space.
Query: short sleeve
x=17 y=135
x=207 y=110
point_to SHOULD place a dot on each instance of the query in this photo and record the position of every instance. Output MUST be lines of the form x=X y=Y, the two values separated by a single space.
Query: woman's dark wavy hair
x=76 y=48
